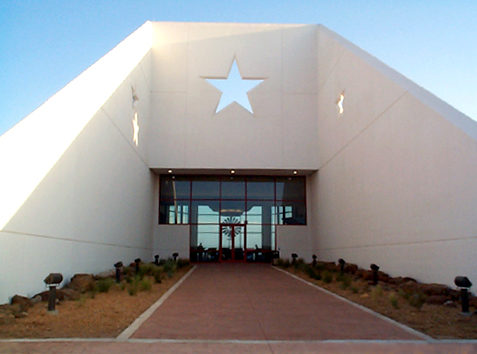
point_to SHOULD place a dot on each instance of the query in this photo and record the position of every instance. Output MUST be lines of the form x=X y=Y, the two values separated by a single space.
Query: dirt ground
x=105 y=315
x=437 y=321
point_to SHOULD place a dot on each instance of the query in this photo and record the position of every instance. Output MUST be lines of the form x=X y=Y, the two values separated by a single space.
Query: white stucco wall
x=396 y=184
x=185 y=131
x=87 y=190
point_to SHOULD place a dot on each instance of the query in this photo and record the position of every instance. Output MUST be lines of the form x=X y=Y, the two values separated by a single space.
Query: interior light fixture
x=295 y=172
x=169 y=171
x=232 y=171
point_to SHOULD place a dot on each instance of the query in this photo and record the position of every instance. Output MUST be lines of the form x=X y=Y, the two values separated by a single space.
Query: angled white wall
x=77 y=191
x=396 y=184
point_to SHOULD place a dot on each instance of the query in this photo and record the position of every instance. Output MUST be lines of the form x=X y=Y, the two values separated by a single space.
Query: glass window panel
x=178 y=188
x=233 y=188
x=205 y=188
x=291 y=188
x=204 y=212
x=260 y=212
x=260 y=188
x=232 y=212
x=208 y=236
x=174 y=213
x=291 y=213
x=254 y=236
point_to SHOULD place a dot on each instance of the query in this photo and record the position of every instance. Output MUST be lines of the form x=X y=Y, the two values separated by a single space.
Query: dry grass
x=105 y=315
x=437 y=321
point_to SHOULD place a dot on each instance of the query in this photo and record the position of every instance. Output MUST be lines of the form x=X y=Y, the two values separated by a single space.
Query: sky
x=44 y=44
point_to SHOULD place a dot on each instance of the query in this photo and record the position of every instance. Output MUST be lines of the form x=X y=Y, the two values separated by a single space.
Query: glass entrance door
x=232 y=242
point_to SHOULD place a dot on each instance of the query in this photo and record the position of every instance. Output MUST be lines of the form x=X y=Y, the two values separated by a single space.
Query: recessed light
x=295 y=172
x=232 y=171
x=169 y=171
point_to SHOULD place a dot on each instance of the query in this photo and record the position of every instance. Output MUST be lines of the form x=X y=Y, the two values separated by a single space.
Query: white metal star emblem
x=234 y=88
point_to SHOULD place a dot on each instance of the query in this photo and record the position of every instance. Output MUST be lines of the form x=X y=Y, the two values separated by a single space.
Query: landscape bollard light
x=294 y=257
x=375 y=269
x=137 y=261
x=175 y=255
x=118 y=266
x=156 y=259
x=342 y=263
x=52 y=280
x=314 y=260
x=464 y=284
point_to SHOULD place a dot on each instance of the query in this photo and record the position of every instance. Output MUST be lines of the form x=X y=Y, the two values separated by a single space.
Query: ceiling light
x=232 y=171
x=169 y=171
x=295 y=172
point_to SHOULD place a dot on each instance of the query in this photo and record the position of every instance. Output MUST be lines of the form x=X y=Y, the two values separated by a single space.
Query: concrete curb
x=128 y=332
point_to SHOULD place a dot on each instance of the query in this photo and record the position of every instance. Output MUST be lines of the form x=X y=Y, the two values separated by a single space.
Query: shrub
x=145 y=285
x=320 y=266
x=354 y=289
x=403 y=294
x=133 y=285
x=376 y=292
x=103 y=285
x=128 y=271
x=285 y=263
x=146 y=269
x=169 y=267
x=299 y=263
x=181 y=262
x=417 y=300
x=311 y=272
x=327 y=277
x=157 y=275
x=344 y=279
x=393 y=298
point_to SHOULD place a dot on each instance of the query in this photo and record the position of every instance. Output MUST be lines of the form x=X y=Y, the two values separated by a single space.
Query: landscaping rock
x=106 y=274
x=401 y=280
x=24 y=302
x=410 y=287
x=365 y=274
x=434 y=289
x=82 y=282
x=44 y=295
x=450 y=303
x=350 y=268
x=329 y=266
x=68 y=294
x=35 y=299
x=383 y=277
x=436 y=299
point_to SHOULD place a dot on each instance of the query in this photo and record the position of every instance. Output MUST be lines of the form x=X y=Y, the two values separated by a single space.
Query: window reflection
x=252 y=200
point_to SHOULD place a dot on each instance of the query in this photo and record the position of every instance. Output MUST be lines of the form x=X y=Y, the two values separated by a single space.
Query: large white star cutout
x=234 y=88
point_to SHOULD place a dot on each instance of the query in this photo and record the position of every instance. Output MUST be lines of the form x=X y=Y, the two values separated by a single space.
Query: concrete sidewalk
x=257 y=302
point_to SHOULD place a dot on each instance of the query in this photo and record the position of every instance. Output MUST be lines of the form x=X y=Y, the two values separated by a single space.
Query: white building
x=389 y=170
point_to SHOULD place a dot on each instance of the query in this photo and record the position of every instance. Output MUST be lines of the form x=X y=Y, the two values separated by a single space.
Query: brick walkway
x=257 y=302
